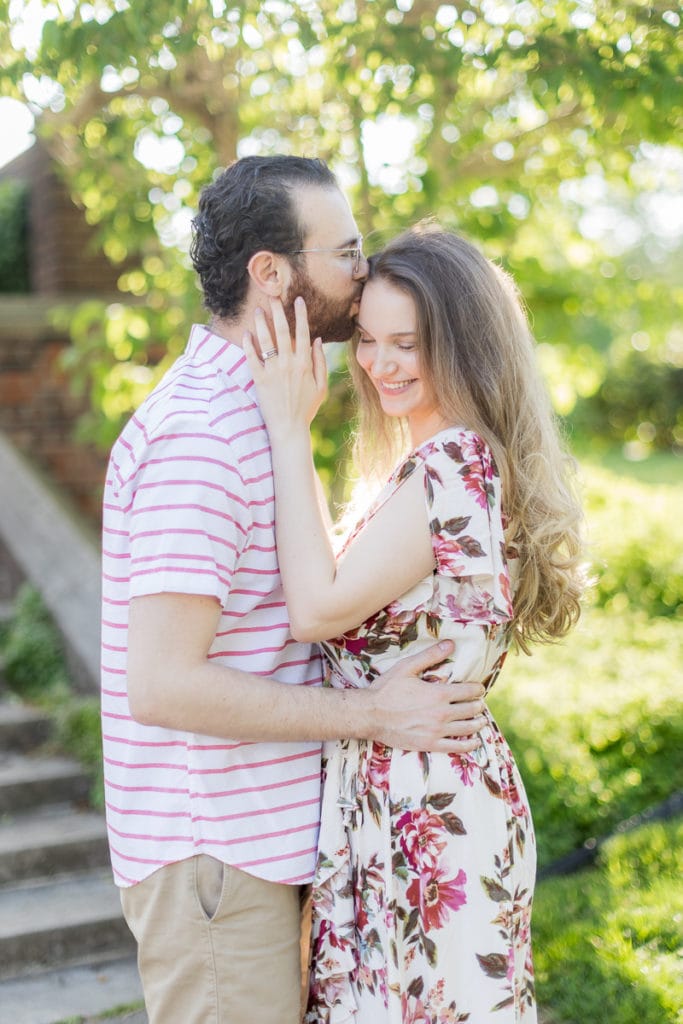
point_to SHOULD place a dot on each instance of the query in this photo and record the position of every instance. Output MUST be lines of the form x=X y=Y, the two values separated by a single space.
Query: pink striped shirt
x=189 y=508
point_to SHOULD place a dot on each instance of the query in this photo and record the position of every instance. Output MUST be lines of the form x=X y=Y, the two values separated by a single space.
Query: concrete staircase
x=66 y=954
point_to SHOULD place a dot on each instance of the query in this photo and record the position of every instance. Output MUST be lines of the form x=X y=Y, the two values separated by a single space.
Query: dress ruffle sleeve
x=463 y=499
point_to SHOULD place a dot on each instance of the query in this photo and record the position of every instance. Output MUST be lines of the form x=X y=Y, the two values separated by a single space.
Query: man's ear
x=270 y=273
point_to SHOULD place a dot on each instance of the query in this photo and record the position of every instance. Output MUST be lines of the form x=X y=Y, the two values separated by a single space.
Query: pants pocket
x=209 y=876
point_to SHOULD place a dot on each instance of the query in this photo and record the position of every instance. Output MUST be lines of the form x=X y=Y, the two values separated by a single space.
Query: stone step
x=61 y=921
x=27 y=782
x=86 y=991
x=21 y=727
x=52 y=841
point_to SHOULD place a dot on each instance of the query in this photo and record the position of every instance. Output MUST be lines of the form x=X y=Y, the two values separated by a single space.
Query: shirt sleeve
x=462 y=491
x=189 y=515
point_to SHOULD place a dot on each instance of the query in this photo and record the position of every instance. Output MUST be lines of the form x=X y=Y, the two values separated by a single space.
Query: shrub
x=79 y=733
x=32 y=649
x=14 y=274
x=34 y=667
x=640 y=390
x=636 y=544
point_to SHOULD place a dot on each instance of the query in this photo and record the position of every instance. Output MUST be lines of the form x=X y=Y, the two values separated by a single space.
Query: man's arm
x=172 y=683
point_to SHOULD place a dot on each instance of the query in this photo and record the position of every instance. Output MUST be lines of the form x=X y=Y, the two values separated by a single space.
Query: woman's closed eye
x=403 y=346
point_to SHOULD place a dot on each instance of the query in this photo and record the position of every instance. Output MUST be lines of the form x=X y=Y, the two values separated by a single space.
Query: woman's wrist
x=293 y=435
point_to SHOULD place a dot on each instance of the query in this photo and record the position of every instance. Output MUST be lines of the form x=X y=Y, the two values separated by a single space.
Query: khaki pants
x=215 y=945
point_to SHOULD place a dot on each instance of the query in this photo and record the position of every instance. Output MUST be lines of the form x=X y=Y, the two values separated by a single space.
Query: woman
x=422 y=899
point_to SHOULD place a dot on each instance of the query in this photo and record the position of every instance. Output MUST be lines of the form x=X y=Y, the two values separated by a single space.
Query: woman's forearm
x=305 y=553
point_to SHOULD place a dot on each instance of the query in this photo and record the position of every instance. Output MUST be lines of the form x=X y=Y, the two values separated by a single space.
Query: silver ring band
x=269 y=355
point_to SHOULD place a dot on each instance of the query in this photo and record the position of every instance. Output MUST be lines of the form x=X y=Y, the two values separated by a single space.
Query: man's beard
x=327 y=319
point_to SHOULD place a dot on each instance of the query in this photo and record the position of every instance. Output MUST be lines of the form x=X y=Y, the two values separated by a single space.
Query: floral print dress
x=426 y=865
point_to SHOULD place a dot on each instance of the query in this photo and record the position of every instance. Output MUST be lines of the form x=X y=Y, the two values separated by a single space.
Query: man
x=212 y=713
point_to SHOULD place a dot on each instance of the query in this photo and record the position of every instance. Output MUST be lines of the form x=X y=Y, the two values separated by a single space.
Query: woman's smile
x=392 y=387
x=388 y=347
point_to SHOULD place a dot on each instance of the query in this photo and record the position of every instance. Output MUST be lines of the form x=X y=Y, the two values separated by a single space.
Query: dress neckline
x=394 y=481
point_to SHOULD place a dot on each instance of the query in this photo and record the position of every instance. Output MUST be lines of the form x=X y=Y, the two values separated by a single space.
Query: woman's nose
x=383 y=365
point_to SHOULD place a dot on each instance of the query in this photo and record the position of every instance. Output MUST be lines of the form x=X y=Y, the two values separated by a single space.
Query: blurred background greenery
x=548 y=131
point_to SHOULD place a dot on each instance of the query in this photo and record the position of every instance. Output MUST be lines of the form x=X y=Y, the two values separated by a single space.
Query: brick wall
x=64 y=257
x=38 y=411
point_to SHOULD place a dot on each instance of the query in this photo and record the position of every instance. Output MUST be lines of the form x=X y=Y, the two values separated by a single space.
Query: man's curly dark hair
x=247 y=208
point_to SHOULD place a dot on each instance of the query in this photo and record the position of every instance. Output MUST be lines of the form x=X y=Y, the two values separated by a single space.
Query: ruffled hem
x=323 y=1014
x=335 y=954
x=331 y=999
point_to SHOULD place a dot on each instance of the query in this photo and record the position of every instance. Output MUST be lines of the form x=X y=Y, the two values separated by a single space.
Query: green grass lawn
x=608 y=941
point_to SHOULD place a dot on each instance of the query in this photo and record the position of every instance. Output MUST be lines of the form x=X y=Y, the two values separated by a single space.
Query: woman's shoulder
x=454 y=444
x=457 y=444
x=458 y=462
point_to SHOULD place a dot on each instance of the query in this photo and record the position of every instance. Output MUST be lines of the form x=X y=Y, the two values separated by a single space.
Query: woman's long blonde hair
x=477 y=355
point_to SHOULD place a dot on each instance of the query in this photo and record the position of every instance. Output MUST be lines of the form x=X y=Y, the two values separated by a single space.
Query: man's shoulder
x=202 y=405
x=184 y=399
x=218 y=429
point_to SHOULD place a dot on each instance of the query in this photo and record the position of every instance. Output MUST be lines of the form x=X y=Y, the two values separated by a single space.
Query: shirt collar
x=204 y=346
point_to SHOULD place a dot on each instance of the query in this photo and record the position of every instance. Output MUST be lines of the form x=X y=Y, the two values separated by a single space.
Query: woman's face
x=387 y=351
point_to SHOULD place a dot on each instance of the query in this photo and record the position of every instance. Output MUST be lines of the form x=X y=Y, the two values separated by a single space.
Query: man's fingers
x=466 y=709
x=416 y=663
x=465 y=744
x=458 y=746
x=465 y=728
x=459 y=693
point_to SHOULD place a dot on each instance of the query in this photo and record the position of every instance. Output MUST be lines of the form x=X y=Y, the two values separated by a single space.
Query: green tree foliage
x=518 y=120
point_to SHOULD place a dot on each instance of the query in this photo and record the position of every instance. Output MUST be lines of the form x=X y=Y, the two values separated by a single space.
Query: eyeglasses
x=354 y=253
